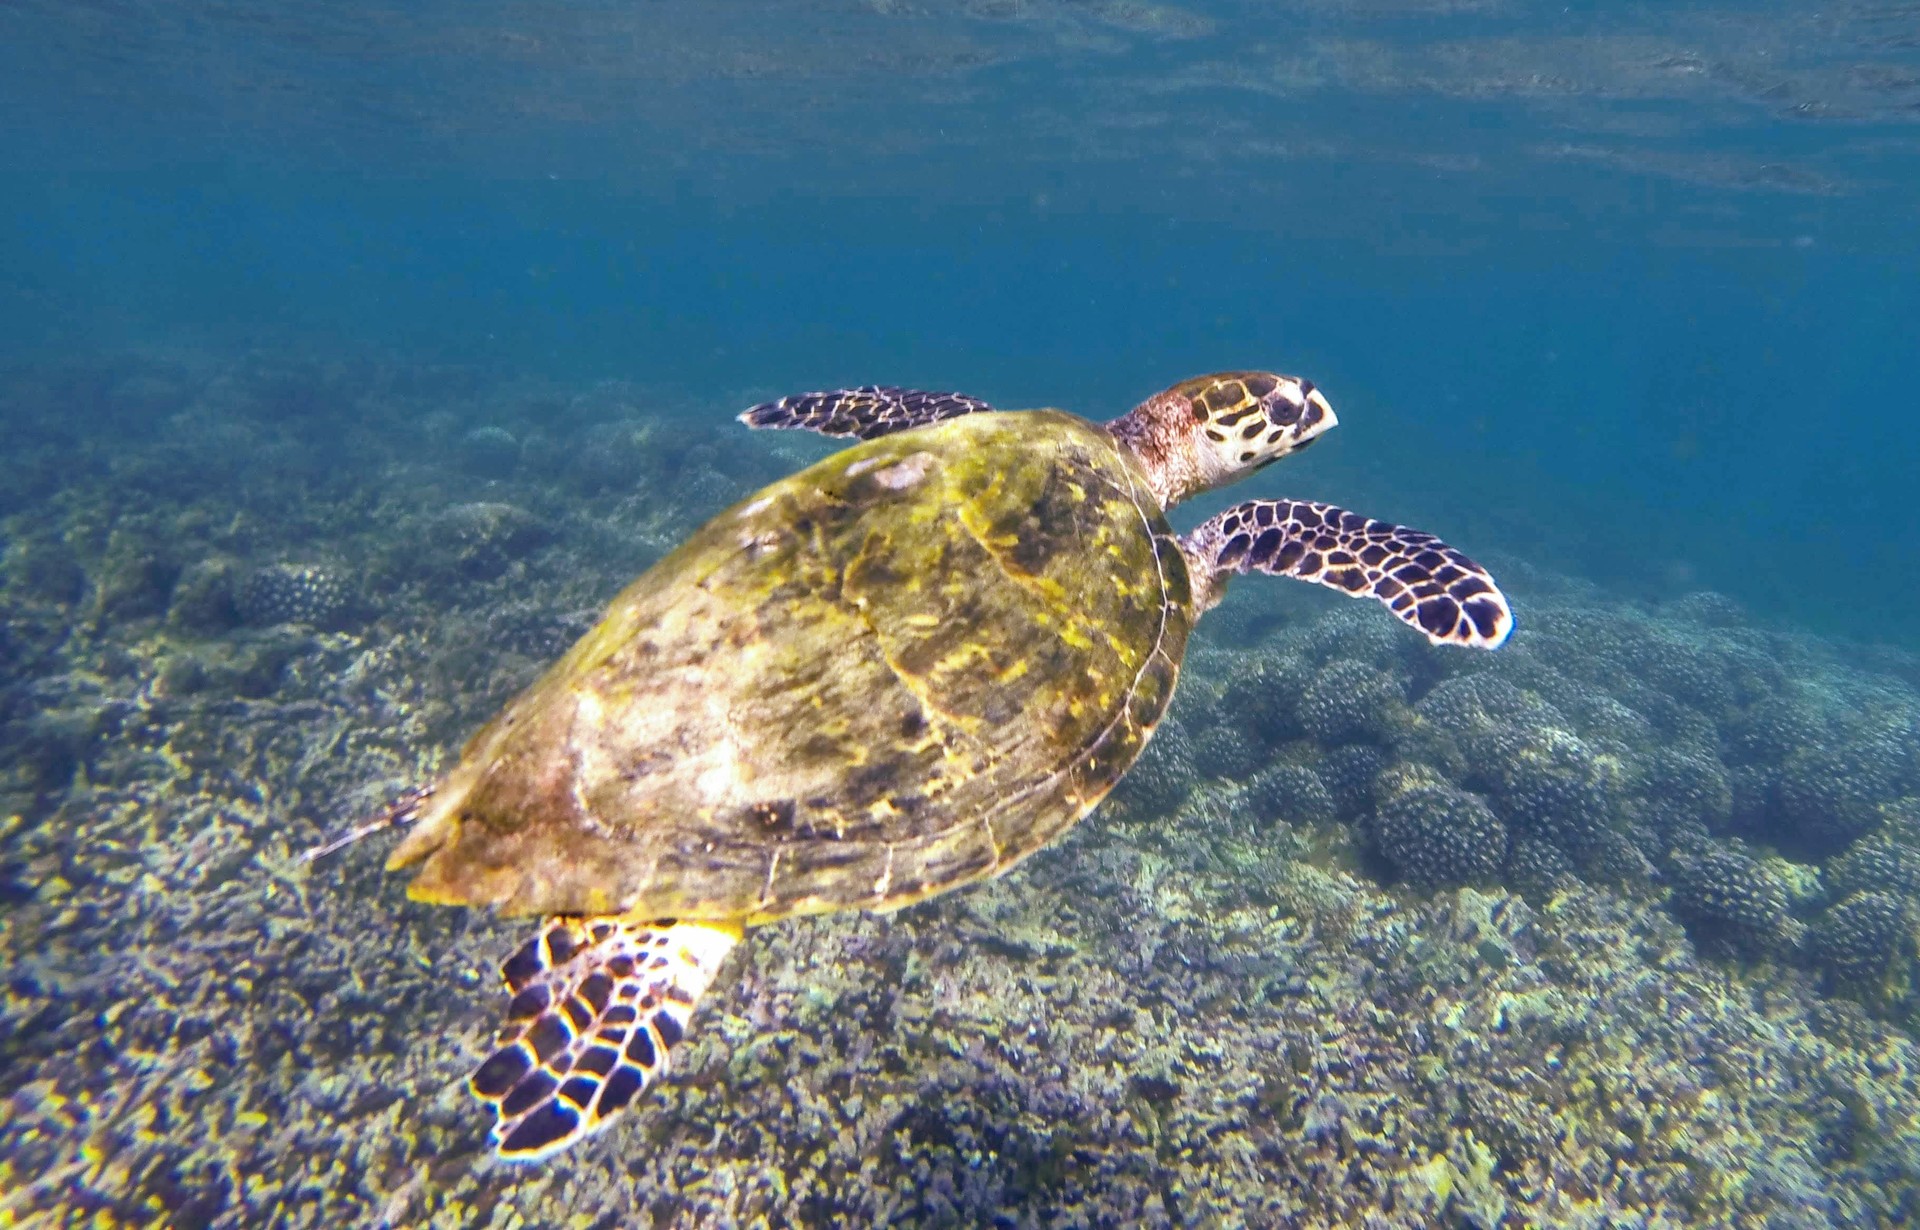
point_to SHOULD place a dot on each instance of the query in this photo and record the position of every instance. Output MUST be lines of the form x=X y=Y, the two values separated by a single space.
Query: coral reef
x=1825 y=798
x=1878 y=864
x=1866 y=942
x=490 y=452
x=1731 y=901
x=1290 y=793
x=1613 y=928
x=1348 y=774
x=1349 y=702
x=290 y=593
x=1434 y=834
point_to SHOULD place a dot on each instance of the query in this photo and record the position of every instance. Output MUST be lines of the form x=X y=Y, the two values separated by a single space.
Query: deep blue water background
x=1634 y=294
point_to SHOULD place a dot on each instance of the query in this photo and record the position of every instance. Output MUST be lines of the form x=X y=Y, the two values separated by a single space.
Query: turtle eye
x=1300 y=412
x=1289 y=403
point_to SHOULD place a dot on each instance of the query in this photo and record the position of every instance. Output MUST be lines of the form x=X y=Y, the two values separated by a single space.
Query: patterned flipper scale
x=1425 y=582
x=598 y=1003
x=868 y=411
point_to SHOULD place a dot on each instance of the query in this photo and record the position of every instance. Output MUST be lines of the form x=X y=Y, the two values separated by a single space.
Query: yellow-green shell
x=901 y=669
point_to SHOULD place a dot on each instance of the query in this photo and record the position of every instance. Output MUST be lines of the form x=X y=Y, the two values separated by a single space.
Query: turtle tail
x=597 y=1005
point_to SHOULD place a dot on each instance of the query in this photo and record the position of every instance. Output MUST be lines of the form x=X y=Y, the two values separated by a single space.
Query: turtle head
x=1213 y=430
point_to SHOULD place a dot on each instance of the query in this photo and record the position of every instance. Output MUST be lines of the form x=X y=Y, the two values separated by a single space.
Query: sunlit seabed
x=1617 y=922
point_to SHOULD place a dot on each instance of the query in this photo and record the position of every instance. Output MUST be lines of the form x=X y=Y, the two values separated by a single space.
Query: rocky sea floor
x=1614 y=928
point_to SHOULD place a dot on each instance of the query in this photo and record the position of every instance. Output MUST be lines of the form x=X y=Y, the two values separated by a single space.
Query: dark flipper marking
x=1428 y=584
x=598 y=1004
x=868 y=411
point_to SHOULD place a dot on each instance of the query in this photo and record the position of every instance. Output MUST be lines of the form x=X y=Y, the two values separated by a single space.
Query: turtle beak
x=1317 y=416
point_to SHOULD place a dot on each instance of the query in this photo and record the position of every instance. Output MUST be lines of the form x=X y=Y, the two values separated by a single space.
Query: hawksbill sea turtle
x=901 y=670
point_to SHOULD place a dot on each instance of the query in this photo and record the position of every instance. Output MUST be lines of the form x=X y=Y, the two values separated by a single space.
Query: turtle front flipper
x=597 y=1005
x=1425 y=582
x=868 y=411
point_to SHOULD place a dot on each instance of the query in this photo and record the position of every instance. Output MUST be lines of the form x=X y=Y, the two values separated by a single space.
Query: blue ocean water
x=1633 y=291
x=1627 y=296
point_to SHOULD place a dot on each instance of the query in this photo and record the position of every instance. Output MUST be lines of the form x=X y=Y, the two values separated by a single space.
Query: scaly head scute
x=1213 y=430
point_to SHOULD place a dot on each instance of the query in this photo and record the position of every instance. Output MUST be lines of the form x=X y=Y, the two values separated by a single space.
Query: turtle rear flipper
x=597 y=1005
x=868 y=411
x=1425 y=582
x=406 y=809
